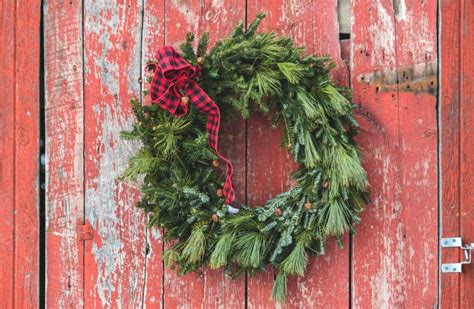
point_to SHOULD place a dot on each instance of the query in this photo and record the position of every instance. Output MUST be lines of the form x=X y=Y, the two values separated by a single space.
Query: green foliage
x=221 y=252
x=295 y=263
x=279 y=288
x=174 y=165
x=142 y=162
x=195 y=245
x=292 y=71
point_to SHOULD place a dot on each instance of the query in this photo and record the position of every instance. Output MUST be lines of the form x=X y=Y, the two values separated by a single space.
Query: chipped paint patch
x=400 y=9
x=382 y=30
x=115 y=259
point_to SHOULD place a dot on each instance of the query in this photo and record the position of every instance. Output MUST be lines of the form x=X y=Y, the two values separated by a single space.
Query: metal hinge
x=456 y=242
x=85 y=231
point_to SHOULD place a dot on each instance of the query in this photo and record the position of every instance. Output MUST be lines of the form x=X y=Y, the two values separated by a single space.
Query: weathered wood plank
x=27 y=68
x=375 y=275
x=115 y=258
x=393 y=65
x=450 y=108
x=153 y=36
x=64 y=152
x=416 y=24
x=7 y=151
x=315 y=26
x=209 y=288
x=466 y=155
x=373 y=283
x=326 y=37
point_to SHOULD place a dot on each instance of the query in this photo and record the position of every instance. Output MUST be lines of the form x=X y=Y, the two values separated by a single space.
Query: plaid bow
x=173 y=79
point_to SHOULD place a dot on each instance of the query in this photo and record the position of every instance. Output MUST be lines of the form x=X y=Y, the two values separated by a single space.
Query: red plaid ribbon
x=174 y=78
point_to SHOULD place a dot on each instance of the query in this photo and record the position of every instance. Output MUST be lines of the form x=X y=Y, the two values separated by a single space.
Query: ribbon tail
x=215 y=121
x=228 y=187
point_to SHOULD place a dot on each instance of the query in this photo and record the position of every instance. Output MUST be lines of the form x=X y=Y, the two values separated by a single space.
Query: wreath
x=185 y=191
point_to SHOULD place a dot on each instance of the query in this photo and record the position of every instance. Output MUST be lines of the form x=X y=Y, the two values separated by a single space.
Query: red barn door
x=457 y=146
x=94 y=57
x=19 y=153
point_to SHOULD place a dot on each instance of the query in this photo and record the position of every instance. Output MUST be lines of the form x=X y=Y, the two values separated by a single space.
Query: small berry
x=200 y=60
x=185 y=100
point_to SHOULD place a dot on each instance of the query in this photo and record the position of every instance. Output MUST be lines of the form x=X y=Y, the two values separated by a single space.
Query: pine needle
x=335 y=217
x=202 y=45
x=170 y=257
x=250 y=247
x=295 y=263
x=141 y=163
x=292 y=71
x=267 y=82
x=195 y=245
x=279 y=290
x=312 y=157
x=220 y=255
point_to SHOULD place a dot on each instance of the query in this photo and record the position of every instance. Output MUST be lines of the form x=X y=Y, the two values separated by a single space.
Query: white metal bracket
x=456 y=242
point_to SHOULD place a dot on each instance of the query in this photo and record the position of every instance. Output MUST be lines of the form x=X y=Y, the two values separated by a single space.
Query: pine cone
x=278 y=212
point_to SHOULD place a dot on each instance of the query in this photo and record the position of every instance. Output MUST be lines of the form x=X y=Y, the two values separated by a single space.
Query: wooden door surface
x=91 y=63
x=94 y=54
x=457 y=146
x=19 y=153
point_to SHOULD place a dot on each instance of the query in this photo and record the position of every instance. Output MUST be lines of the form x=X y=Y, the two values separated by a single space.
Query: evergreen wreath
x=178 y=170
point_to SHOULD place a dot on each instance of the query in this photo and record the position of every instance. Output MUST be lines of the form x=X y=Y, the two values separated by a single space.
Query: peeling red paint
x=394 y=257
x=122 y=264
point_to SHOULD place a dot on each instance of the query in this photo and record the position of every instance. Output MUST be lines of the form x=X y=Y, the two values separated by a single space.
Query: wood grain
x=153 y=37
x=466 y=155
x=209 y=288
x=64 y=153
x=115 y=258
x=416 y=48
x=326 y=38
x=27 y=69
x=393 y=65
x=450 y=111
x=7 y=151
